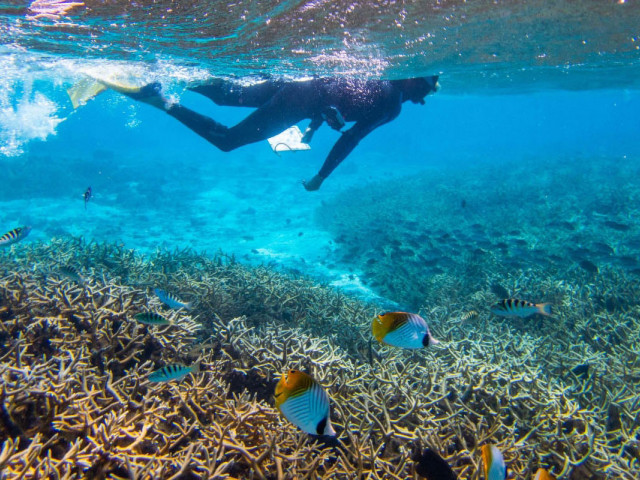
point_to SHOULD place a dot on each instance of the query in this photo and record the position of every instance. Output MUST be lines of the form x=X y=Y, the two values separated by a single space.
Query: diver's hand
x=307 y=135
x=313 y=184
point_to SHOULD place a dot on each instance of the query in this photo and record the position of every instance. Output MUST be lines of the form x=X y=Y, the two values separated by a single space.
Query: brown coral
x=76 y=402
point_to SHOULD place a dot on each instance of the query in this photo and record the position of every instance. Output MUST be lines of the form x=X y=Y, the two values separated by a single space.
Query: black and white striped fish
x=71 y=273
x=512 y=307
x=175 y=371
x=151 y=318
x=14 y=236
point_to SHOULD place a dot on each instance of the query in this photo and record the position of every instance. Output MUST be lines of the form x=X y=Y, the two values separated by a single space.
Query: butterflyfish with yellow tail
x=304 y=403
x=542 y=474
x=493 y=463
x=402 y=329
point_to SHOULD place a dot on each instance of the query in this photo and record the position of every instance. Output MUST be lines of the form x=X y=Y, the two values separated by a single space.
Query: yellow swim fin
x=85 y=90
x=89 y=87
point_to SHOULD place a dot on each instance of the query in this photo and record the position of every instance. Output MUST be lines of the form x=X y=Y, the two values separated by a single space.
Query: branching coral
x=75 y=399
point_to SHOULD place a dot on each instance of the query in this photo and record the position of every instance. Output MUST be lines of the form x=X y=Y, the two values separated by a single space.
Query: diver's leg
x=150 y=94
x=206 y=127
x=234 y=94
x=289 y=106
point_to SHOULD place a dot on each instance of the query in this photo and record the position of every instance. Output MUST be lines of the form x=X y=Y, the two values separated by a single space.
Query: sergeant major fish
x=71 y=273
x=170 y=300
x=304 y=403
x=175 y=371
x=512 y=307
x=14 y=236
x=151 y=318
x=402 y=329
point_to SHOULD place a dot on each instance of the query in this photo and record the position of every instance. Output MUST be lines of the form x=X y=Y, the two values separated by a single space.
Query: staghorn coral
x=75 y=401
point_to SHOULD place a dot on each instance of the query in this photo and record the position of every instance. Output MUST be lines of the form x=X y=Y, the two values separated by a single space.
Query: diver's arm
x=343 y=147
x=311 y=129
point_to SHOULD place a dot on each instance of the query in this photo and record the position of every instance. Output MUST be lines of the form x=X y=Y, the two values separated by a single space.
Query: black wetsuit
x=282 y=104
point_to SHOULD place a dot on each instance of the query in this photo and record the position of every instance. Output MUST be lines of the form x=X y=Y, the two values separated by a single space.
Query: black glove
x=333 y=117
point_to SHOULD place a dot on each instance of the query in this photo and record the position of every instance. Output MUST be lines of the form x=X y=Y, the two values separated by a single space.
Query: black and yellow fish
x=14 y=236
x=512 y=307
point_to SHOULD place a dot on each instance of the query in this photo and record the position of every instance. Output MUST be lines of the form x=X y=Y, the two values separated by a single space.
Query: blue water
x=533 y=134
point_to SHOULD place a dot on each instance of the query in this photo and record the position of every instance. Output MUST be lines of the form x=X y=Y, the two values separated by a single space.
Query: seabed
x=559 y=393
x=76 y=401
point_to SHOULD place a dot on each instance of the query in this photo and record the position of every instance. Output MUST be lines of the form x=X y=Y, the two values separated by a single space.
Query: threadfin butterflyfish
x=170 y=300
x=304 y=403
x=175 y=371
x=402 y=329
x=512 y=307
x=542 y=474
x=14 y=236
x=493 y=463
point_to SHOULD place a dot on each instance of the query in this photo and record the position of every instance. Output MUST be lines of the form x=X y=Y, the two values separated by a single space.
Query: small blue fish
x=171 y=300
x=14 y=236
x=175 y=371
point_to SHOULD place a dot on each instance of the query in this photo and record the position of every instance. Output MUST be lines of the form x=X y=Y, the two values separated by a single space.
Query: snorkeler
x=281 y=104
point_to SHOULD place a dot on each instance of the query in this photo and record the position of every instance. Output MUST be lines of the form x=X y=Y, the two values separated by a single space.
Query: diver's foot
x=149 y=94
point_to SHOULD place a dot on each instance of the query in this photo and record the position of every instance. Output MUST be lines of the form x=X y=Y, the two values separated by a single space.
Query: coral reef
x=76 y=401
x=451 y=231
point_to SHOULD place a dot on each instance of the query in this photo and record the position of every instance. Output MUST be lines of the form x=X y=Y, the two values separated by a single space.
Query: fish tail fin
x=329 y=430
x=83 y=91
x=544 y=309
x=196 y=366
x=433 y=341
